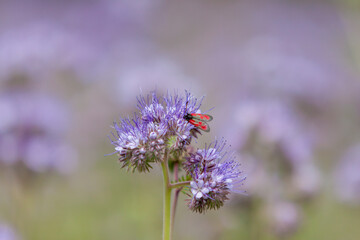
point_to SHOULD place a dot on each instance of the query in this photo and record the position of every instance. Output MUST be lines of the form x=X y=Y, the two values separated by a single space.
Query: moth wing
x=194 y=122
x=205 y=127
x=202 y=117
x=200 y=124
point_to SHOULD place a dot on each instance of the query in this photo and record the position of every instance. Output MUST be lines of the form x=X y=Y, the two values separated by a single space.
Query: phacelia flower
x=204 y=158
x=161 y=132
x=214 y=175
x=160 y=124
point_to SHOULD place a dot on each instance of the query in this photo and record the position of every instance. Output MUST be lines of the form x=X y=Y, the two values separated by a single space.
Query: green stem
x=167 y=201
x=176 y=195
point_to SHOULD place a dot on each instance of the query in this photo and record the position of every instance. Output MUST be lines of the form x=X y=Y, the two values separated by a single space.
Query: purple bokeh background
x=282 y=76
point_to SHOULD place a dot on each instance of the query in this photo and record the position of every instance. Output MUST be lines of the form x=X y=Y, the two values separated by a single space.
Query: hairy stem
x=167 y=200
x=177 y=191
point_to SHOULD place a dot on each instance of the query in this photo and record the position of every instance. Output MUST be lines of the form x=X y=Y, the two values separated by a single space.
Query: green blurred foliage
x=105 y=202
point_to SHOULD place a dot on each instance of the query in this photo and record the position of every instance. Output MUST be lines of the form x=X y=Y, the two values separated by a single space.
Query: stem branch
x=179 y=184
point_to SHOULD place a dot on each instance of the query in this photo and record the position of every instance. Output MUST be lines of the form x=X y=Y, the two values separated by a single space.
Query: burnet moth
x=199 y=120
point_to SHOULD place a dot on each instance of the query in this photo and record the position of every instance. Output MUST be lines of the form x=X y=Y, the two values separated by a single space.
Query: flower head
x=131 y=144
x=160 y=123
x=206 y=158
x=215 y=174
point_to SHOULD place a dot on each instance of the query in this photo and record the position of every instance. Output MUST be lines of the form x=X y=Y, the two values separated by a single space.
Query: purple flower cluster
x=52 y=46
x=159 y=126
x=160 y=133
x=31 y=133
x=214 y=175
x=284 y=135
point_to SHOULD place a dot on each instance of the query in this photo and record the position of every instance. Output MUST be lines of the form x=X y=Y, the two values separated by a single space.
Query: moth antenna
x=208 y=110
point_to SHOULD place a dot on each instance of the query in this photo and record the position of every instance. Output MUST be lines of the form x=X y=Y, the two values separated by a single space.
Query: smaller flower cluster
x=214 y=175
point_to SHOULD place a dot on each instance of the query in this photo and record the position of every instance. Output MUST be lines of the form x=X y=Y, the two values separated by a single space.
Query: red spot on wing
x=204 y=127
x=199 y=123
x=200 y=116
x=192 y=121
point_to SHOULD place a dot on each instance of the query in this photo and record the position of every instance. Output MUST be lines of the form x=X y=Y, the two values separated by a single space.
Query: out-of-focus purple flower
x=136 y=11
x=9 y=149
x=267 y=55
x=259 y=185
x=67 y=37
x=270 y=68
x=7 y=233
x=41 y=49
x=277 y=126
x=32 y=132
x=214 y=175
x=306 y=180
x=31 y=111
x=43 y=154
x=141 y=140
x=347 y=177
x=284 y=217
x=274 y=122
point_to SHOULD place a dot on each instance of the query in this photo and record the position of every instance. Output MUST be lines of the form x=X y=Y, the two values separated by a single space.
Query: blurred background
x=283 y=77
